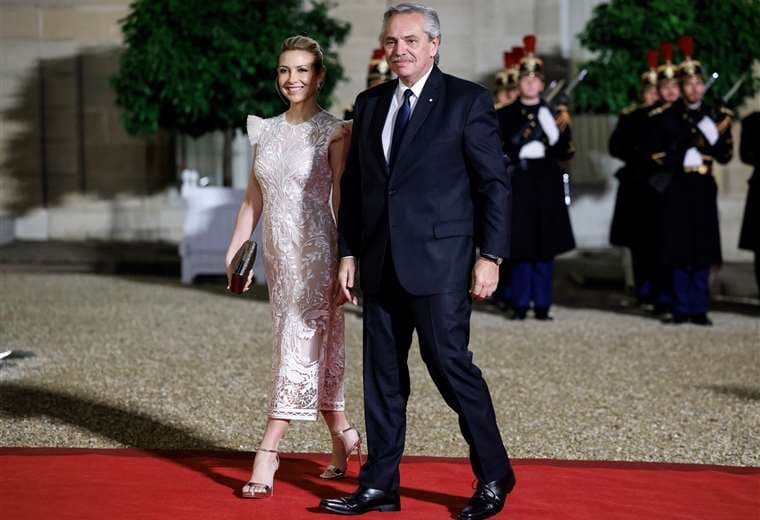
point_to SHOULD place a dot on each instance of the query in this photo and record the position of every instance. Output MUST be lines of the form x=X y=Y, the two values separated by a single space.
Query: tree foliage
x=197 y=66
x=621 y=31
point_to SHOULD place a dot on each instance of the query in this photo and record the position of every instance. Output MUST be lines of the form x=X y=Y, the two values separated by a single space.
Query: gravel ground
x=145 y=362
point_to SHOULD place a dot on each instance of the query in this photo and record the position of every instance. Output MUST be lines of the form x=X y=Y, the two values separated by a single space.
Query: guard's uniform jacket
x=689 y=234
x=541 y=226
x=633 y=200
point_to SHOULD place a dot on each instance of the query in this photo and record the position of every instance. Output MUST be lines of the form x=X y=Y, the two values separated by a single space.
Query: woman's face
x=296 y=77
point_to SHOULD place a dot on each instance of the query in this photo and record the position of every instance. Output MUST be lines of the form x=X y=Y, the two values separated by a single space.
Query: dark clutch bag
x=242 y=263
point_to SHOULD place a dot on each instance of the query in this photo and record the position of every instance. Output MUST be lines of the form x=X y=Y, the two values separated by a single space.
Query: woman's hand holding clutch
x=240 y=268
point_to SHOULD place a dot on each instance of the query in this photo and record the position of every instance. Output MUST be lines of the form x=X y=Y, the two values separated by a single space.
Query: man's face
x=531 y=87
x=506 y=96
x=669 y=91
x=649 y=96
x=693 y=89
x=408 y=49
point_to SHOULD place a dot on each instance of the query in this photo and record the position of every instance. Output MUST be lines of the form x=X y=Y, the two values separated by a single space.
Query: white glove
x=532 y=150
x=548 y=124
x=709 y=130
x=692 y=159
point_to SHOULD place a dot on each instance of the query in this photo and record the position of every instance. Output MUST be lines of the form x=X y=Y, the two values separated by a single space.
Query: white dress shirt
x=398 y=98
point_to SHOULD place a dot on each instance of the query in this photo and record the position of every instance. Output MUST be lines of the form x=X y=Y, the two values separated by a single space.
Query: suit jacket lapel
x=378 y=122
x=428 y=98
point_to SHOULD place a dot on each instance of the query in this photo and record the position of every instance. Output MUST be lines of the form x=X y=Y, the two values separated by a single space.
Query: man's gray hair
x=432 y=25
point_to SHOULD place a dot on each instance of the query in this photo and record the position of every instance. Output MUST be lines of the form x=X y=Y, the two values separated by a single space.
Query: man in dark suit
x=425 y=211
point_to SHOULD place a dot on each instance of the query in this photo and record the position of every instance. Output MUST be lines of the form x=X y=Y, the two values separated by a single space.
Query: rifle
x=564 y=96
x=734 y=89
x=555 y=87
x=710 y=82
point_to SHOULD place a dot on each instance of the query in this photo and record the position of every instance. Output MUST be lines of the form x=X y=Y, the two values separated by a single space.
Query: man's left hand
x=485 y=278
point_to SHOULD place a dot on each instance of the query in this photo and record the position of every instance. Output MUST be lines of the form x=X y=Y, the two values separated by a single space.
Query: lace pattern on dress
x=300 y=256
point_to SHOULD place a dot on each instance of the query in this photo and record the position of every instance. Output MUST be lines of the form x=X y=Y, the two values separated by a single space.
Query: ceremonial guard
x=506 y=79
x=748 y=150
x=541 y=230
x=684 y=139
x=633 y=222
x=378 y=72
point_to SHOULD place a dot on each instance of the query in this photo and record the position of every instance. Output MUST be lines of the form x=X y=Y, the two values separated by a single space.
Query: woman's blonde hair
x=304 y=43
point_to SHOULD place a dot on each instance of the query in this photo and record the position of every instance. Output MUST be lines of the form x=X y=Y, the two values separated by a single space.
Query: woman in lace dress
x=298 y=158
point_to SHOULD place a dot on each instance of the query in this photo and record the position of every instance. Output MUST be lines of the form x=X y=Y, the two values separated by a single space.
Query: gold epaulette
x=727 y=111
x=630 y=108
x=659 y=110
x=658 y=157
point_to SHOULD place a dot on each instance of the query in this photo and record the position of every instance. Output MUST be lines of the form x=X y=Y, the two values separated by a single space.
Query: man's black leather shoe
x=488 y=499
x=361 y=501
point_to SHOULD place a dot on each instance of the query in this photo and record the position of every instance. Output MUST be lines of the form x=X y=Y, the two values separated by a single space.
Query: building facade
x=68 y=170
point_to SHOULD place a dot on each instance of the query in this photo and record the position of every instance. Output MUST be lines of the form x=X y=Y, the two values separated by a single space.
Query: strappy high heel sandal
x=253 y=489
x=333 y=472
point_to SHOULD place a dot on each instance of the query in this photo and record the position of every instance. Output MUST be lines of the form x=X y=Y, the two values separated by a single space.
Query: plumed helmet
x=649 y=77
x=530 y=64
x=667 y=70
x=689 y=66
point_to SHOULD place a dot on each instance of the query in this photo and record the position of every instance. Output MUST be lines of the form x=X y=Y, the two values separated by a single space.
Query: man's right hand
x=346 y=278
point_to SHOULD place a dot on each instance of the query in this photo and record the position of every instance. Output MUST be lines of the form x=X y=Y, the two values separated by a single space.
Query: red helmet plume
x=686 y=44
x=652 y=58
x=529 y=42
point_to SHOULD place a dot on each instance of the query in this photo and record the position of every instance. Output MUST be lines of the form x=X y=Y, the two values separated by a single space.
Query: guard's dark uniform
x=689 y=235
x=541 y=226
x=635 y=216
x=636 y=213
x=748 y=150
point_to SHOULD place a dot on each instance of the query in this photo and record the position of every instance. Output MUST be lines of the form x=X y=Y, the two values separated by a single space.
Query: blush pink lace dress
x=301 y=260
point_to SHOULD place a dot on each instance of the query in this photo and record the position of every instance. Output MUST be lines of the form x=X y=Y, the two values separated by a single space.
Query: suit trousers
x=442 y=322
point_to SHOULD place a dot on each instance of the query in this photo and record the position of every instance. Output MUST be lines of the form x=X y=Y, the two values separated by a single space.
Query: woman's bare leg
x=337 y=422
x=265 y=463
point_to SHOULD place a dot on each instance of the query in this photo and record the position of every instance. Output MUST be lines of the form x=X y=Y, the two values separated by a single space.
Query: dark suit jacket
x=448 y=186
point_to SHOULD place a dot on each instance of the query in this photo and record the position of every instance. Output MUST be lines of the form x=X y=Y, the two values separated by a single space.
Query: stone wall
x=61 y=140
x=64 y=155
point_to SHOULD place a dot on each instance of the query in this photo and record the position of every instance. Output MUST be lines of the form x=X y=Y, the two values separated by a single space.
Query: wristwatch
x=499 y=260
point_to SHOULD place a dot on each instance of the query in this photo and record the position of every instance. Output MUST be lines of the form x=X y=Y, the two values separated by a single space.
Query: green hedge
x=621 y=31
x=197 y=66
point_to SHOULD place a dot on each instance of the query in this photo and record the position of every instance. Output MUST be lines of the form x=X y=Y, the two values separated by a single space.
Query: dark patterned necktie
x=399 y=127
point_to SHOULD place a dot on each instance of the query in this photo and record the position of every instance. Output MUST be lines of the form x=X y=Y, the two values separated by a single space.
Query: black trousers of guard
x=442 y=322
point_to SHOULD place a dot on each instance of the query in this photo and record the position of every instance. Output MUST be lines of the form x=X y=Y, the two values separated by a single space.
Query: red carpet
x=42 y=483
